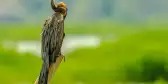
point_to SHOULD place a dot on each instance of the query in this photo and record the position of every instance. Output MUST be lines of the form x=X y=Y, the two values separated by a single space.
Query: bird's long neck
x=53 y=4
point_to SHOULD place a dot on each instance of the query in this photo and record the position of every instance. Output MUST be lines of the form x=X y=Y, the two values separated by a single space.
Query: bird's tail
x=43 y=78
x=47 y=71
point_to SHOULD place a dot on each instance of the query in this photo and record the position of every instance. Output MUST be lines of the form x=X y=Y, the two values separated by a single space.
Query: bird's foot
x=63 y=57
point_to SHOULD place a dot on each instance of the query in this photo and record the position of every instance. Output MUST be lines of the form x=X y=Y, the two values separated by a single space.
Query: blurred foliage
x=18 y=68
x=133 y=45
x=139 y=55
x=26 y=31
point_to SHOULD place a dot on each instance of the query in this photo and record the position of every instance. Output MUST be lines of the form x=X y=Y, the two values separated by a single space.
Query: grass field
x=139 y=55
x=32 y=31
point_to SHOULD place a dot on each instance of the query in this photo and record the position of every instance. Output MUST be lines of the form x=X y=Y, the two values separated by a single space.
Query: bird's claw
x=63 y=57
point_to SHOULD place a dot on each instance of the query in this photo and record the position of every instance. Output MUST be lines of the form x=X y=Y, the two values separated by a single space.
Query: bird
x=52 y=38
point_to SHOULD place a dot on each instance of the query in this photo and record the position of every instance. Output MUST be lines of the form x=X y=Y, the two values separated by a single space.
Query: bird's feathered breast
x=52 y=37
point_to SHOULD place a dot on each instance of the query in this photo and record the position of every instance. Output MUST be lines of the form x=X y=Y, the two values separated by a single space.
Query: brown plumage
x=52 y=38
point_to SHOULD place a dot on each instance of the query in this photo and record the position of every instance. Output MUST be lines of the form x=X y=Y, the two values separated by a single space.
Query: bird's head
x=60 y=7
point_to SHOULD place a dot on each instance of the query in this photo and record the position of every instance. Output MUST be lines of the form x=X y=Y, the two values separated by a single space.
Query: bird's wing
x=43 y=78
x=52 y=37
x=45 y=41
x=56 y=37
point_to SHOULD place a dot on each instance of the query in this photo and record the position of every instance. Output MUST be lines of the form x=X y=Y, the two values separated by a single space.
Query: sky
x=85 y=10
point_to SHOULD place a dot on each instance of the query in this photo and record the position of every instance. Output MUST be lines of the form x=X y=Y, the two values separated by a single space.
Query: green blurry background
x=107 y=41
